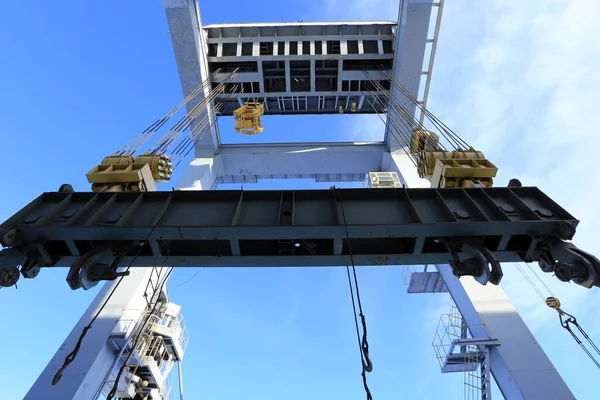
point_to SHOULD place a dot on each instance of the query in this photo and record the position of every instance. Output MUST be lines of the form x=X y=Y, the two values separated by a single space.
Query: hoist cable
x=566 y=320
x=443 y=128
x=199 y=126
x=391 y=119
x=71 y=356
x=199 y=131
x=186 y=146
x=566 y=323
x=540 y=279
x=396 y=107
x=203 y=107
x=531 y=282
x=135 y=144
x=197 y=135
x=394 y=102
x=140 y=139
x=397 y=130
x=449 y=136
x=394 y=133
x=363 y=344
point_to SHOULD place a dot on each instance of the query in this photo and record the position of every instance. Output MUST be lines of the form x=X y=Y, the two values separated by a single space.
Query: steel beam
x=189 y=44
x=285 y=228
x=409 y=50
x=302 y=159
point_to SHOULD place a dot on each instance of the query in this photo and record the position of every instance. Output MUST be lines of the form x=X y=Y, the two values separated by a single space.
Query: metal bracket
x=99 y=264
x=30 y=257
x=9 y=276
x=569 y=263
x=477 y=266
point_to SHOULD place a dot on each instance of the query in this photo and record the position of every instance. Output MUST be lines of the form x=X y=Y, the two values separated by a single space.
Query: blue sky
x=79 y=80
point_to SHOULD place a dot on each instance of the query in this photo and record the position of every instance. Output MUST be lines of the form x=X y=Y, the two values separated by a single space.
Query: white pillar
x=201 y=174
x=519 y=365
x=82 y=378
x=409 y=51
x=191 y=50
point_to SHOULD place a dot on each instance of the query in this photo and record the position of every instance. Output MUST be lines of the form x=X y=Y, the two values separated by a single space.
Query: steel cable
x=363 y=344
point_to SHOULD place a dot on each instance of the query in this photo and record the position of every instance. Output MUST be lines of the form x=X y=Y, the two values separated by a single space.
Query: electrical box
x=384 y=180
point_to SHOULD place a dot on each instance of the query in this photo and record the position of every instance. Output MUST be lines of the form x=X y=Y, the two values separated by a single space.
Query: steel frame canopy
x=321 y=54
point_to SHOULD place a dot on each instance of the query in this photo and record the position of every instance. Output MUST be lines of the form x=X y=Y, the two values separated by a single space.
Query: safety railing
x=450 y=330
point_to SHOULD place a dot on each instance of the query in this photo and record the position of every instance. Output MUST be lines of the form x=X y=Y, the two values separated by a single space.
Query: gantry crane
x=129 y=223
x=125 y=224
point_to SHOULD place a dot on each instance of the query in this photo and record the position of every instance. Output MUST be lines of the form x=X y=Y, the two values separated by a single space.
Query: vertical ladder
x=486 y=378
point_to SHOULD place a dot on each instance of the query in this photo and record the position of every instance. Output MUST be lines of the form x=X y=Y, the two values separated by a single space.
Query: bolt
x=514 y=183
x=10 y=237
x=9 y=276
x=507 y=208
x=460 y=214
x=542 y=212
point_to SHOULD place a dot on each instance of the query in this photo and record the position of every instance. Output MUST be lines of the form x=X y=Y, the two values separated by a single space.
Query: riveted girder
x=469 y=227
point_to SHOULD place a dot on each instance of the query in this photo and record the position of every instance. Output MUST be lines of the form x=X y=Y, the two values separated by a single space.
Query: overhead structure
x=301 y=68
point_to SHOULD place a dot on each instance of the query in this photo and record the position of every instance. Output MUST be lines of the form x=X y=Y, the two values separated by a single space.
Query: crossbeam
x=289 y=228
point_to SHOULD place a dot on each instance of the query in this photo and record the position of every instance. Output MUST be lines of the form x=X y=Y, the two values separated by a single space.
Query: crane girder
x=474 y=229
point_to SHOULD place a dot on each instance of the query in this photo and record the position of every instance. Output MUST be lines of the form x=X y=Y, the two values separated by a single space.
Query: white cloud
x=525 y=98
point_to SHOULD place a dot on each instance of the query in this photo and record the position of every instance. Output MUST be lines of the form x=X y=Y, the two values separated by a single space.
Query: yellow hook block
x=247 y=118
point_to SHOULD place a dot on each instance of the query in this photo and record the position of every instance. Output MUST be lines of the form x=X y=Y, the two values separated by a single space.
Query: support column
x=401 y=163
x=410 y=40
x=201 y=174
x=191 y=49
x=519 y=365
x=82 y=379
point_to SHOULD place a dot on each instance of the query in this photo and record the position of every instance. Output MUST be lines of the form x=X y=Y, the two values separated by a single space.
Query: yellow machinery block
x=121 y=177
x=422 y=140
x=452 y=172
x=128 y=173
x=160 y=164
x=427 y=159
x=247 y=118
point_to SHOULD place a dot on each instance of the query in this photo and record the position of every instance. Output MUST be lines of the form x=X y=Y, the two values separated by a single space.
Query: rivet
x=69 y=212
x=31 y=218
x=461 y=214
x=542 y=212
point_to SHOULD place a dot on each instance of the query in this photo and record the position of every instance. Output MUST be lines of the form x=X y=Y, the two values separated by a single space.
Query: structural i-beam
x=189 y=43
x=470 y=227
